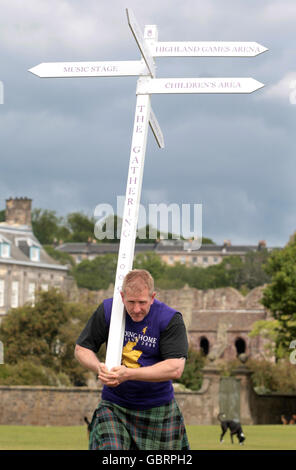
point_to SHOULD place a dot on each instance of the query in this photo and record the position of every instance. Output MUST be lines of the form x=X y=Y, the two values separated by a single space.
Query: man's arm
x=87 y=358
x=94 y=334
x=170 y=369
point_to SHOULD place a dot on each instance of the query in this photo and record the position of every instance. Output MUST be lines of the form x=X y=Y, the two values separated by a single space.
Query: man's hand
x=169 y=369
x=113 y=377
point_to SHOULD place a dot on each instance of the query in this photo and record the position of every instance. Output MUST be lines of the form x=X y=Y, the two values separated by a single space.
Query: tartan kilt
x=116 y=428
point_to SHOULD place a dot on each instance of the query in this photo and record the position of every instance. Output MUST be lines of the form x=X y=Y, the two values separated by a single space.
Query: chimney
x=18 y=211
x=227 y=243
x=261 y=244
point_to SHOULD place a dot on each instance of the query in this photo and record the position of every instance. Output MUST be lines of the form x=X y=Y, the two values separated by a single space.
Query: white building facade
x=25 y=267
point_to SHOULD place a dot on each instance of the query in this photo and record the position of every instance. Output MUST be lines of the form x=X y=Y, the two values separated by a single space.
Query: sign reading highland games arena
x=206 y=49
x=148 y=85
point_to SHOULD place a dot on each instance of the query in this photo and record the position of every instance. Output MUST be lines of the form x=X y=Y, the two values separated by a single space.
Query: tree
x=49 y=228
x=33 y=330
x=96 y=274
x=80 y=226
x=280 y=295
x=151 y=262
x=61 y=256
x=44 y=336
x=46 y=225
x=267 y=329
x=108 y=230
x=207 y=241
x=252 y=270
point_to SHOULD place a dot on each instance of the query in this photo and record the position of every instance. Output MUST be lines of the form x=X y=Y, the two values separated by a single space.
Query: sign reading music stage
x=90 y=69
x=148 y=85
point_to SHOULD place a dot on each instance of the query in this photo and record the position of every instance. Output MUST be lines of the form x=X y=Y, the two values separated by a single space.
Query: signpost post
x=148 y=85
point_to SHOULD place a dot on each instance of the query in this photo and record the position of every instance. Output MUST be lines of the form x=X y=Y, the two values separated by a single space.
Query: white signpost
x=205 y=49
x=147 y=86
x=144 y=116
x=90 y=69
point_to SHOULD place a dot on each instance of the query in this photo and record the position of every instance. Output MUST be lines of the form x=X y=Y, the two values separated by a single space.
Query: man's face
x=137 y=303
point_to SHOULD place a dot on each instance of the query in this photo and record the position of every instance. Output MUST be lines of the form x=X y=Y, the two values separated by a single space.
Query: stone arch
x=240 y=346
x=204 y=345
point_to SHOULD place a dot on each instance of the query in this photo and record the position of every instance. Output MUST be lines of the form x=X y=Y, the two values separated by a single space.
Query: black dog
x=88 y=425
x=234 y=428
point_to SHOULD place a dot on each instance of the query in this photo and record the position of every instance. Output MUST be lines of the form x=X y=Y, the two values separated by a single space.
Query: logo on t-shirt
x=130 y=353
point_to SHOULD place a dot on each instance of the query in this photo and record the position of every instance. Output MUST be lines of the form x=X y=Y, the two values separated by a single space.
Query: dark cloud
x=66 y=143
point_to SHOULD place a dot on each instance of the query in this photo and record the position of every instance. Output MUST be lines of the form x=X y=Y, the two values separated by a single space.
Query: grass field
x=201 y=438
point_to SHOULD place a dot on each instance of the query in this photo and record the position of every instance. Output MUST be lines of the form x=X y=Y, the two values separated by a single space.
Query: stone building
x=185 y=252
x=170 y=251
x=25 y=267
x=219 y=321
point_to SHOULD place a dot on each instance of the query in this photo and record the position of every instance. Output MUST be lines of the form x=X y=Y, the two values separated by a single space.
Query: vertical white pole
x=129 y=227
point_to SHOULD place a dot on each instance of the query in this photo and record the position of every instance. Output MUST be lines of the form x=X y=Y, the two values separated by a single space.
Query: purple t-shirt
x=140 y=349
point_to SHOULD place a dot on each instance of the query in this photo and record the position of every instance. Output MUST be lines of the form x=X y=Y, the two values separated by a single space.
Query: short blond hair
x=137 y=279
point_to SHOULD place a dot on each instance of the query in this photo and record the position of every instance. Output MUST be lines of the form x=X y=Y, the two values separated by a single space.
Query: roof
x=100 y=248
x=21 y=238
x=163 y=246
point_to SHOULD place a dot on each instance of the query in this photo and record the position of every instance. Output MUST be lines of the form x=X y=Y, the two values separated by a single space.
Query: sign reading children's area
x=148 y=85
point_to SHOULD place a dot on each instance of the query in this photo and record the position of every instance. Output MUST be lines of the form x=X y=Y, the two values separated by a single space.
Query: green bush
x=192 y=376
x=46 y=332
x=268 y=377
x=31 y=373
x=96 y=274
x=60 y=256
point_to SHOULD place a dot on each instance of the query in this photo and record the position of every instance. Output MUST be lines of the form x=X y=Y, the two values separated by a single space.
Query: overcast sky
x=65 y=143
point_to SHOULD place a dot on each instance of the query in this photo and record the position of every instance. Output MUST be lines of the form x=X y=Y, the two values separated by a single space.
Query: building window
x=2 y=285
x=34 y=253
x=31 y=293
x=171 y=260
x=194 y=259
x=44 y=287
x=205 y=259
x=14 y=294
x=4 y=250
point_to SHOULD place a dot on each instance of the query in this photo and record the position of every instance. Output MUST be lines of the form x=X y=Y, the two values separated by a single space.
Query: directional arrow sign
x=156 y=129
x=206 y=49
x=138 y=35
x=197 y=85
x=90 y=69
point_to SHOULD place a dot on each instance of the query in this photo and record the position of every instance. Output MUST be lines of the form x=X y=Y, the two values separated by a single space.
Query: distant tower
x=18 y=211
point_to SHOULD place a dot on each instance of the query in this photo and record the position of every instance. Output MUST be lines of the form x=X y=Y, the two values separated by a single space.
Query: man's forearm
x=87 y=358
x=170 y=369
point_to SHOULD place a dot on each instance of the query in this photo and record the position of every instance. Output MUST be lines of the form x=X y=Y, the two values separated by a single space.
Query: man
x=138 y=410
